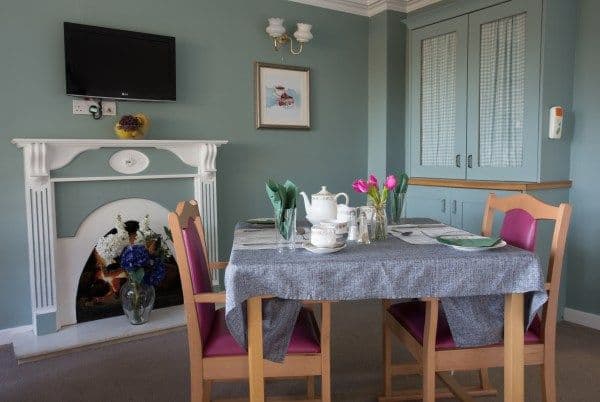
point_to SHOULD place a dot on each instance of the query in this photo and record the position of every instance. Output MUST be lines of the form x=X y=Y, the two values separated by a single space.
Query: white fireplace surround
x=51 y=258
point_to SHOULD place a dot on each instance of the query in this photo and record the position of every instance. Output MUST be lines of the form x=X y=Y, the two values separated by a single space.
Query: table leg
x=256 y=378
x=514 y=332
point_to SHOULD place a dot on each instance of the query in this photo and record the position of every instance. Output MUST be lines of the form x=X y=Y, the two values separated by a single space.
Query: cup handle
x=345 y=196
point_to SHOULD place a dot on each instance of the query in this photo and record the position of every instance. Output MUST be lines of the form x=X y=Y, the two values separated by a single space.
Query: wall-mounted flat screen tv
x=116 y=64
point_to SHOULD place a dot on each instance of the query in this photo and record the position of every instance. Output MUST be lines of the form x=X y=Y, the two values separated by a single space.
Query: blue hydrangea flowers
x=134 y=257
x=156 y=272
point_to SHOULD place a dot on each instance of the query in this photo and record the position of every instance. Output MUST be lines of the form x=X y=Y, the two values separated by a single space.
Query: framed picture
x=282 y=96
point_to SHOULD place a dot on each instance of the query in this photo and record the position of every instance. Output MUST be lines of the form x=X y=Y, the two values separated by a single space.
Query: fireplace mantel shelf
x=113 y=143
x=43 y=155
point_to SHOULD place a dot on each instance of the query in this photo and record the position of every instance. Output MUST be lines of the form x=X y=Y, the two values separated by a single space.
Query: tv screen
x=116 y=64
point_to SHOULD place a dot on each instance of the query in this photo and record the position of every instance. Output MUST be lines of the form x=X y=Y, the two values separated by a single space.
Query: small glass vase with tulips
x=377 y=198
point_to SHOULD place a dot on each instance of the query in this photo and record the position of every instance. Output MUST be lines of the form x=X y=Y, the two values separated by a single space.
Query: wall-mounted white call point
x=556 y=120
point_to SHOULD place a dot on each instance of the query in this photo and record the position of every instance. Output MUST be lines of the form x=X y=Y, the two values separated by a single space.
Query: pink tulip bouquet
x=378 y=198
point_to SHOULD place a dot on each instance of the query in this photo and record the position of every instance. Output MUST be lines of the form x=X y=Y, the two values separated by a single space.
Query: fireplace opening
x=100 y=284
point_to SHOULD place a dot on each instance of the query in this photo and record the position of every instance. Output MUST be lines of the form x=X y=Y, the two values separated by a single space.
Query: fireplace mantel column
x=41 y=232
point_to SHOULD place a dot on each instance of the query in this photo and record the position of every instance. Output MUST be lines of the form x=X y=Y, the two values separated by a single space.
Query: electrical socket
x=82 y=106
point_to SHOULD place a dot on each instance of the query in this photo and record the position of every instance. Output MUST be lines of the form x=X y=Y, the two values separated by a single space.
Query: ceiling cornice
x=368 y=8
x=413 y=5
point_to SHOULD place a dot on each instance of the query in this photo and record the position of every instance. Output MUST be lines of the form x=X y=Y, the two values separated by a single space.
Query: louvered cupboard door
x=438 y=107
x=503 y=92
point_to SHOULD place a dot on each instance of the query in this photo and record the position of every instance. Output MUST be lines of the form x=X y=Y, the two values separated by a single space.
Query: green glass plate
x=261 y=221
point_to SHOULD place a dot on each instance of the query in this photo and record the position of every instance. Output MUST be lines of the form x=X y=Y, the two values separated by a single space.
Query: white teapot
x=323 y=206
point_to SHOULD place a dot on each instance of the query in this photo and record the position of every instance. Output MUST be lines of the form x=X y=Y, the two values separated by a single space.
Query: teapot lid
x=323 y=194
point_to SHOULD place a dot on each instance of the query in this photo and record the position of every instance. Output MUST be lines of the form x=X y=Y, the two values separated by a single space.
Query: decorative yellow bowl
x=133 y=134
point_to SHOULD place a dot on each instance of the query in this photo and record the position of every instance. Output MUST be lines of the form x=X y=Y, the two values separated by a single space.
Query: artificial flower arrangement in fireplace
x=142 y=256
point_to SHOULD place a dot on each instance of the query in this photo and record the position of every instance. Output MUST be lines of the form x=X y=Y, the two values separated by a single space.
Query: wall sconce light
x=276 y=30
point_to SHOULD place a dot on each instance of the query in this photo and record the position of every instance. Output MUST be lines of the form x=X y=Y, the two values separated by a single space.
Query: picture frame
x=282 y=96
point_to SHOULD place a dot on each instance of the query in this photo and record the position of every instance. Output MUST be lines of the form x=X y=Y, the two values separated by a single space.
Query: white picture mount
x=42 y=156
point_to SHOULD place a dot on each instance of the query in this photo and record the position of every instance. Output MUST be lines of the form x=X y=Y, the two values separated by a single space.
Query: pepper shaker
x=363 y=229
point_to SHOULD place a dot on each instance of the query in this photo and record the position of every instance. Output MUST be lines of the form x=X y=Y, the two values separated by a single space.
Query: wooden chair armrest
x=547 y=286
x=425 y=299
x=210 y=297
x=218 y=265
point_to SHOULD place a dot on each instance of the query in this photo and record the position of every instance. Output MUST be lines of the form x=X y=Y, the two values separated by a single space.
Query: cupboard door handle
x=454 y=207
x=457 y=160
x=444 y=206
x=470 y=161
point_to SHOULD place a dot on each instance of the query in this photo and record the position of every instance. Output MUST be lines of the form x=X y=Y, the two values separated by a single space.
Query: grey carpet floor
x=156 y=368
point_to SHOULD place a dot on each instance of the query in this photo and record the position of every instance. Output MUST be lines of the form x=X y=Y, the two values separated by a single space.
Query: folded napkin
x=469 y=241
x=283 y=198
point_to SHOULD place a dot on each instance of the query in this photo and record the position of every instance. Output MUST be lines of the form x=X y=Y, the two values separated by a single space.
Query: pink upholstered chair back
x=519 y=229
x=190 y=251
x=199 y=275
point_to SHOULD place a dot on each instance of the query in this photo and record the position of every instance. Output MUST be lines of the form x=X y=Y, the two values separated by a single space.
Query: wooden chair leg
x=387 y=355
x=310 y=387
x=326 y=352
x=196 y=389
x=484 y=379
x=196 y=380
x=431 y=315
x=549 y=377
x=206 y=390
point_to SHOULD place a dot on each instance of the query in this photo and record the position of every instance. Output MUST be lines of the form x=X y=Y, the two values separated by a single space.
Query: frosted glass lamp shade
x=303 y=33
x=275 y=28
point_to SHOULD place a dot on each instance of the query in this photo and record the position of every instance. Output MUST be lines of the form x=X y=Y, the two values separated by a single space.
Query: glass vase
x=396 y=207
x=379 y=225
x=286 y=230
x=137 y=300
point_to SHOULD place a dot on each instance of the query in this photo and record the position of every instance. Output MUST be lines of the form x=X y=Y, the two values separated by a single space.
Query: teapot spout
x=307 y=205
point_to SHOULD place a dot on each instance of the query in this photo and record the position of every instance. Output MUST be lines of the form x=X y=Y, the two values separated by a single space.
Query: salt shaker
x=352 y=227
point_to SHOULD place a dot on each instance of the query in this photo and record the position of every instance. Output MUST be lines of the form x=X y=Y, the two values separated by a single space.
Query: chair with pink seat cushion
x=214 y=354
x=409 y=320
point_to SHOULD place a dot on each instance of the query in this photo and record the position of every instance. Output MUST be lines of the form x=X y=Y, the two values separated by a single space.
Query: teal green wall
x=387 y=50
x=217 y=42
x=583 y=280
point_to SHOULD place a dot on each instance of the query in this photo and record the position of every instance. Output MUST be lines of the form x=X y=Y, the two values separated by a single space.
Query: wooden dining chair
x=214 y=354
x=424 y=331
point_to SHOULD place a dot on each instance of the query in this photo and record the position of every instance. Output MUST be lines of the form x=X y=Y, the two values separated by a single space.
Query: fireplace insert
x=100 y=283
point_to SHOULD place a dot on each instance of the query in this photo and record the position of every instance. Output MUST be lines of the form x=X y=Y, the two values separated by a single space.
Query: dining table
x=487 y=296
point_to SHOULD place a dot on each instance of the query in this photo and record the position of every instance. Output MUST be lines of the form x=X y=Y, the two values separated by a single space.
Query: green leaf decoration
x=291 y=193
x=402 y=185
x=168 y=233
x=283 y=197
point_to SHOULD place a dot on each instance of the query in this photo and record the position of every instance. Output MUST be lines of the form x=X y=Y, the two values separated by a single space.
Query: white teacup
x=344 y=212
x=323 y=236
x=339 y=227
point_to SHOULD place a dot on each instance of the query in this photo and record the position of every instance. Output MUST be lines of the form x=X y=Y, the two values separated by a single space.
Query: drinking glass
x=286 y=230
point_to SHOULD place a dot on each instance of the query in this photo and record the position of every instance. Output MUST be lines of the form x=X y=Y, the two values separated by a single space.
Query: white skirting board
x=582 y=318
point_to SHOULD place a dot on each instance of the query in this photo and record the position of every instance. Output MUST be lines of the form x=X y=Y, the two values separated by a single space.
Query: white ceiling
x=369 y=8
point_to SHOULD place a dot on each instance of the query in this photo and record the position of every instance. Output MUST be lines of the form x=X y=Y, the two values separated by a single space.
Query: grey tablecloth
x=471 y=285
